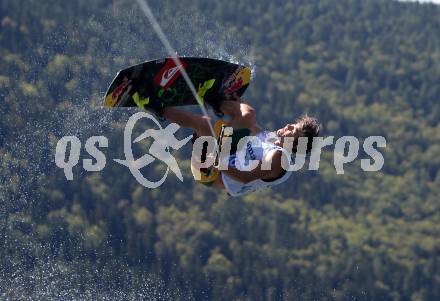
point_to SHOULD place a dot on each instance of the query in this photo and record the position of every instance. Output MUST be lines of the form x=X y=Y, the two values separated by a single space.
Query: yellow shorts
x=209 y=175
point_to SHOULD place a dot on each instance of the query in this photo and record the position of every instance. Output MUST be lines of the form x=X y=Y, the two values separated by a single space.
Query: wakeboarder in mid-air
x=269 y=151
x=159 y=86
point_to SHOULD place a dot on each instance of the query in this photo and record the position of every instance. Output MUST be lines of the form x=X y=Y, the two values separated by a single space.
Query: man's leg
x=234 y=109
x=242 y=115
x=196 y=122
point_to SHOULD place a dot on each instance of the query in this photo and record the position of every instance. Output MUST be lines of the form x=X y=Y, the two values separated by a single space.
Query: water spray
x=173 y=54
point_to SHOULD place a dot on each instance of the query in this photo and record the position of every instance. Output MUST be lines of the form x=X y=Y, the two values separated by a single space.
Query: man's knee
x=230 y=108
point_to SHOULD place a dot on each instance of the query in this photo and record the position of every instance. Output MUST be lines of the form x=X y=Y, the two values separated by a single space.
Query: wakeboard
x=162 y=80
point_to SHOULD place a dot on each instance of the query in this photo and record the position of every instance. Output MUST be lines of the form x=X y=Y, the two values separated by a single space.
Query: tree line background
x=362 y=67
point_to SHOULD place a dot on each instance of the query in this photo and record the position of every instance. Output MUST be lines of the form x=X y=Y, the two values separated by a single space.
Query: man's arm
x=273 y=160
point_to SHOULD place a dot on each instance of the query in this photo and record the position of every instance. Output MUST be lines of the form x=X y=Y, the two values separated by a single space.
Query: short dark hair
x=310 y=127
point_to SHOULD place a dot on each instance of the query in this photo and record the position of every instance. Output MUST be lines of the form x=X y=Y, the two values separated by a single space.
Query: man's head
x=303 y=126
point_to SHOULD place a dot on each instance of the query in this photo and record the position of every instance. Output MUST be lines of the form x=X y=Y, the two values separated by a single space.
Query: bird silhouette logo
x=164 y=139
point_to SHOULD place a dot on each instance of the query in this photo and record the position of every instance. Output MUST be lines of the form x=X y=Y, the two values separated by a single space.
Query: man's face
x=289 y=130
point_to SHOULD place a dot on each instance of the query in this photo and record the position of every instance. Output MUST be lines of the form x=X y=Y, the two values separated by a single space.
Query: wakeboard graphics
x=162 y=80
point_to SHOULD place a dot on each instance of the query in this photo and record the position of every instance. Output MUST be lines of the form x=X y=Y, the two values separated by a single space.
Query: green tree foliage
x=363 y=67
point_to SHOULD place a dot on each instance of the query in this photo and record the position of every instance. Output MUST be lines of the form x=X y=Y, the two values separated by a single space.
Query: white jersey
x=254 y=152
